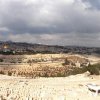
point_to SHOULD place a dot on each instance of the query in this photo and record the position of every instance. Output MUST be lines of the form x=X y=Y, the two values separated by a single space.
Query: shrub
x=93 y=69
x=1 y=60
x=66 y=62
x=9 y=73
x=1 y=72
x=61 y=74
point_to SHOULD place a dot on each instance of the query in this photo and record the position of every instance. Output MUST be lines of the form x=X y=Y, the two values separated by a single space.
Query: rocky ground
x=62 y=88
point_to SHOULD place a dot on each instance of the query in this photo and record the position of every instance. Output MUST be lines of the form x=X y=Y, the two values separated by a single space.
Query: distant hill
x=10 y=47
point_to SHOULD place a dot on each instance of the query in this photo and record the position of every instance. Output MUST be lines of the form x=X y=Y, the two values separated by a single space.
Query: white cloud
x=4 y=29
x=49 y=37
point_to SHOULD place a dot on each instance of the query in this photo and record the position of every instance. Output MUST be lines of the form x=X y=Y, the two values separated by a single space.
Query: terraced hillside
x=41 y=64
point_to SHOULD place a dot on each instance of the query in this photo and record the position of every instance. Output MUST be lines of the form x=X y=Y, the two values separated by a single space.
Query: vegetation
x=1 y=60
x=7 y=53
x=9 y=73
x=93 y=69
x=43 y=66
x=57 y=72
x=1 y=72
x=66 y=62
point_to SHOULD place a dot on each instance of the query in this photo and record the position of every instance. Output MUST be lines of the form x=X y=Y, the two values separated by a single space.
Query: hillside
x=29 y=48
x=44 y=65
x=67 y=88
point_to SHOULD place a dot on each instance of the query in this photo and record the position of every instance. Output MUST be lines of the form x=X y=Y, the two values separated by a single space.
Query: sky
x=52 y=22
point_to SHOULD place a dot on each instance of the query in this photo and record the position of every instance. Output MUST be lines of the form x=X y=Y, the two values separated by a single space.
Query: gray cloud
x=94 y=4
x=50 y=21
x=61 y=39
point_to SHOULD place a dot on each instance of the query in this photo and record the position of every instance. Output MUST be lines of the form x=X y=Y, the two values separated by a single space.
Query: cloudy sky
x=61 y=22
